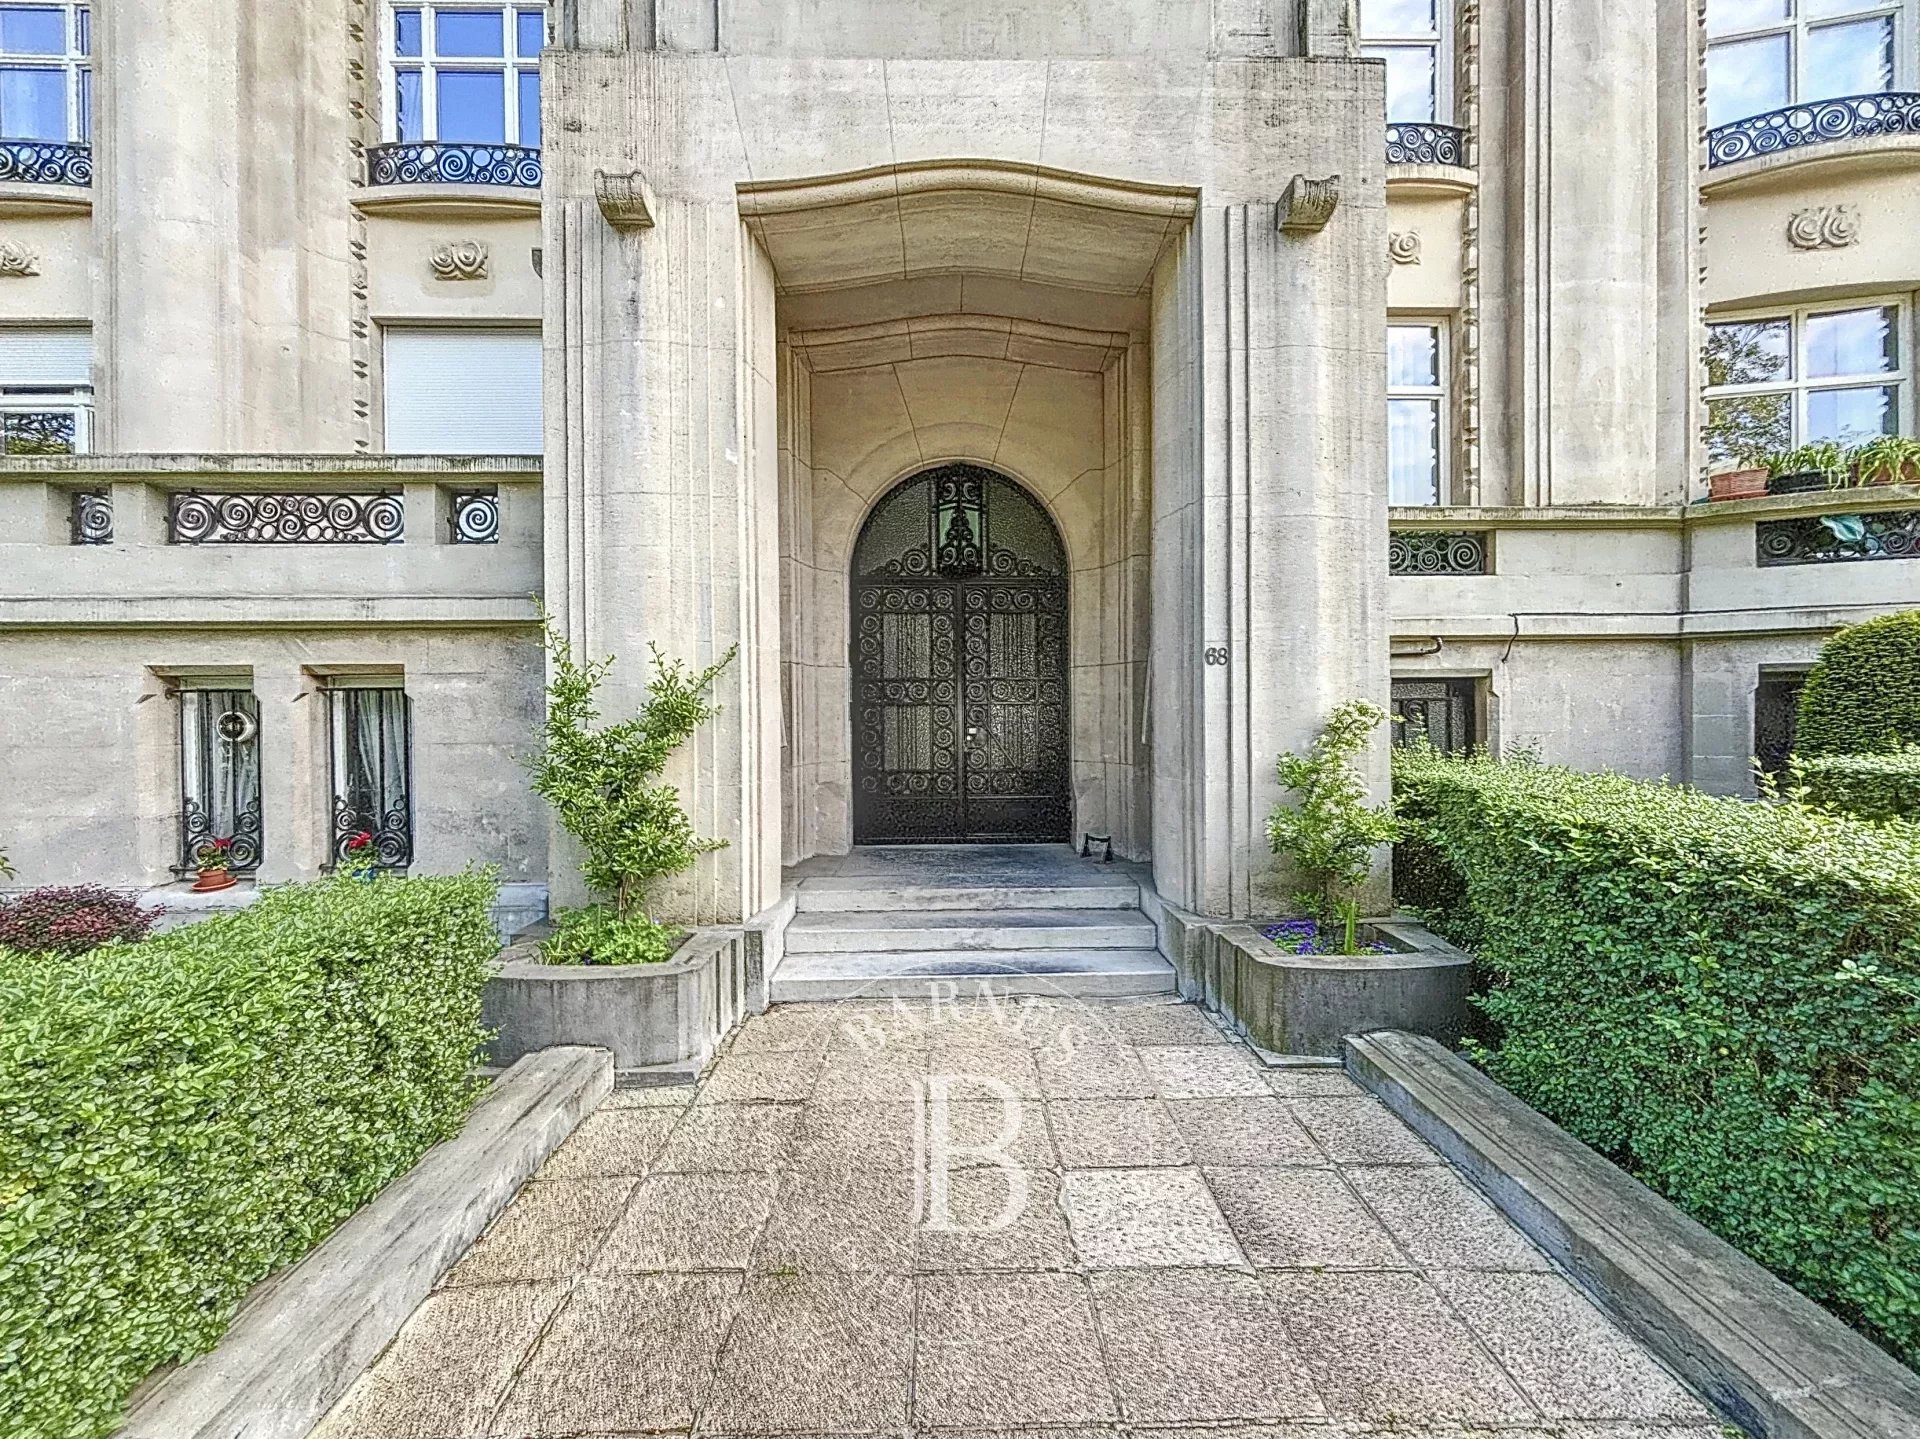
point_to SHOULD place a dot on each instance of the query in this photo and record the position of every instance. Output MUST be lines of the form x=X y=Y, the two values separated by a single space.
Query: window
x=1416 y=414
x=46 y=72
x=463 y=392
x=1411 y=36
x=1781 y=380
x=1776 y=716
x=372 y=763
x=220 y=773
x=1768 y=54
x=1441 y=711
x=466 y=74
x=46 y=390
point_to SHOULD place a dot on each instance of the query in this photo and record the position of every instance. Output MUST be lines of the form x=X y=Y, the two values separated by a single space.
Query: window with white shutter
x=46 y=389
x=463 y=392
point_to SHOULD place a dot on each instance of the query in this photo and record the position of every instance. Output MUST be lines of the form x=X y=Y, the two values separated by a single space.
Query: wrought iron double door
x=960 y=711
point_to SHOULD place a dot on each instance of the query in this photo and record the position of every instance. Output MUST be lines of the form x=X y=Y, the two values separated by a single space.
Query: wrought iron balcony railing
x=432 y=163
x=46 y=162
x=1827 y=539
x=1818 y=122
x=285 y=519
x=1426 y=145
x=1437 y=552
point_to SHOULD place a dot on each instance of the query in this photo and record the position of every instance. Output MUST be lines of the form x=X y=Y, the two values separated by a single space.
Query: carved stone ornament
x=625 y=200
x=17 y=261
x=1824 y=227
x=459 y=260
x=1403 y=247
x=1308 y=204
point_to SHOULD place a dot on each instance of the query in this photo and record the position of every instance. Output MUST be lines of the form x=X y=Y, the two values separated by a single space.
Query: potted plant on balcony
x=215 y=858
x=1747 y=479
x=1886 y=460
x=1818 y=466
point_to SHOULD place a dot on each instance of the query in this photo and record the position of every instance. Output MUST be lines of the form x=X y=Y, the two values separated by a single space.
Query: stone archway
x=959 y=662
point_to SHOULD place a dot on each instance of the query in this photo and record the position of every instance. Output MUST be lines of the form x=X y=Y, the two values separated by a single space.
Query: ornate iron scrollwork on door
x=959 y=655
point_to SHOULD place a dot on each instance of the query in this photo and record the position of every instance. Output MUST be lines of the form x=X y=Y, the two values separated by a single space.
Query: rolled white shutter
x=46 y=357
x=463 y=392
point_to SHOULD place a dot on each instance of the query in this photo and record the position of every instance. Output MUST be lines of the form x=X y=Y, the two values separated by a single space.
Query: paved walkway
x=1201 y=1242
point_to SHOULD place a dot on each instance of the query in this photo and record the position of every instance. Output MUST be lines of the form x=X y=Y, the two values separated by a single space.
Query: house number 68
x=1216 y=654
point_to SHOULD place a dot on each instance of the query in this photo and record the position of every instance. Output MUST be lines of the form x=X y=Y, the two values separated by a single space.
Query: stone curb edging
x=302 y=1338
x=1766 y=1356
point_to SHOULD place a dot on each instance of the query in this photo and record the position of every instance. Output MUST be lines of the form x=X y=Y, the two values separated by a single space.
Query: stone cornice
x=779 y=197
x=176 y=468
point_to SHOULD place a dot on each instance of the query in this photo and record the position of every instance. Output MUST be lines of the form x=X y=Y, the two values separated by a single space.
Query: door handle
x=975 y=736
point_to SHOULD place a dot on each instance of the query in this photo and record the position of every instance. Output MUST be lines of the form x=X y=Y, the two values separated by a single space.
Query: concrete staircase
x=1018 y=919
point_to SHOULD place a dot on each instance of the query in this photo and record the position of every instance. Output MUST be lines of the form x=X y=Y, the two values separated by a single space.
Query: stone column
x=224 y=160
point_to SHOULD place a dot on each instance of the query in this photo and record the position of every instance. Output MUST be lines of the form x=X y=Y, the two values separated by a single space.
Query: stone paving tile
x=689 y=1222
x=551 y=1230
x=1244 y=1132
x=1175 y=1024
x=1313 y=1084
x=611 y=1142
x=1131 y=1218
x=441 y=1376
x=981 y=1133
x=840 y=1220
x=651 y=1096
x=1361 y=1131
x=1000 y=1221
x=746 y=1079
x=730 y=1138
x=1385 y=1347
x=855 y=1134
x=1440 y=1221
x=816 y=1352
x=1116 y=1134
x=893 y=1076
x=786 y=1030
x=1302 y=1219
x=967 y=1065
x=1187 y=1345
x=1216 y=1072
x=1008 y=1350
x=1562 y=1352
x=628 y=1352
x=1093 y=1073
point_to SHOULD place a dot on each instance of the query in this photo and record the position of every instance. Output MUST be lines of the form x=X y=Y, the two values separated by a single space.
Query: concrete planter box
x=661 y=1022
x=1307 y=1004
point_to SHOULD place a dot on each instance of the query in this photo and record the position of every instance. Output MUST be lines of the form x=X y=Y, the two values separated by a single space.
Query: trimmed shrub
x=1722 y=997
x=181 y=1117
x=72 y=920
x=1863 y=695
x=1866 y=786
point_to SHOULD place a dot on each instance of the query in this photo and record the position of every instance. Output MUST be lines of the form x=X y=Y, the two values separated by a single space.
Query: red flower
x=362 y=840
x=223 y=844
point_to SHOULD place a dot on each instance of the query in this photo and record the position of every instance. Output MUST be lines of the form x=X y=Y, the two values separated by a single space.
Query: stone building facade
x=1062 y=408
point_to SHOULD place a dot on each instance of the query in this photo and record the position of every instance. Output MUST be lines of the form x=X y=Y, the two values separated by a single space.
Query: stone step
x=963 y=974
x=969 y=930
x=856 y=894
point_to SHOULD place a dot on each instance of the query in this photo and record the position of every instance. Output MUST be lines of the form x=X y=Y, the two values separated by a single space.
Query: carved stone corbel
x=626 y=200
x=17 y=262
x=1308 y=205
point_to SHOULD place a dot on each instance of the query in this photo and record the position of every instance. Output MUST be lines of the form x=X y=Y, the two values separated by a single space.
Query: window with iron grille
x=372 y=770
x=465 y=74
x=220 y=775
x=46 y=73
x=1776 y=716
x=46 y=389
x=1412 y=37
x=1765 y=55
x=1441 y=711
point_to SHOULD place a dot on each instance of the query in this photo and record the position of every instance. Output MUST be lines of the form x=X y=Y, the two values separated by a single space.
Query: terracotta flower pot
x=212 y=879
x=1737 y=485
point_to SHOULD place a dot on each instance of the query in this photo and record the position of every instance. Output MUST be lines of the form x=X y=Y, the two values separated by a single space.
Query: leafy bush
x=597 y=935
x=1863 y=696
x=1723 y=997
x=1866 y=786
x=1331 y=834
x=72 y=920
x=183 y=1116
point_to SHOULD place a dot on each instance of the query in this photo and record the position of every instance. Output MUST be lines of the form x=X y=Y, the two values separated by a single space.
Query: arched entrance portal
x=959 y=662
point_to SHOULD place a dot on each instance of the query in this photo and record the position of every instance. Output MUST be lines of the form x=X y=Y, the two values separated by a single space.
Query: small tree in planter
x=1331 y=832
x=603 y=782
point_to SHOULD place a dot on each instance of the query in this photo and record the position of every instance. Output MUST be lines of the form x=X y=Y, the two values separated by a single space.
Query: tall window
x=1411 y=36
x=220 y=774
x=1416 y=414
x=466 y=74
x=46 y=390
x=1786 y=379
x=1768 y=54
x=46 y=72
x=1776 y=716
x=463 y=392
x=372 y=754
x=1440 y=711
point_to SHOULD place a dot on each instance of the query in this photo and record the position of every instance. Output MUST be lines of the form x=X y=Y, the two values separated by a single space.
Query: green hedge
x=183 y=1116
x=1863 y=695
x=1723 y=997
x=1867 y=786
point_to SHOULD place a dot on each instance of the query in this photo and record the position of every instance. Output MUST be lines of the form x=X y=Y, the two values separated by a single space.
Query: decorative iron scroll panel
x=959 y=661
